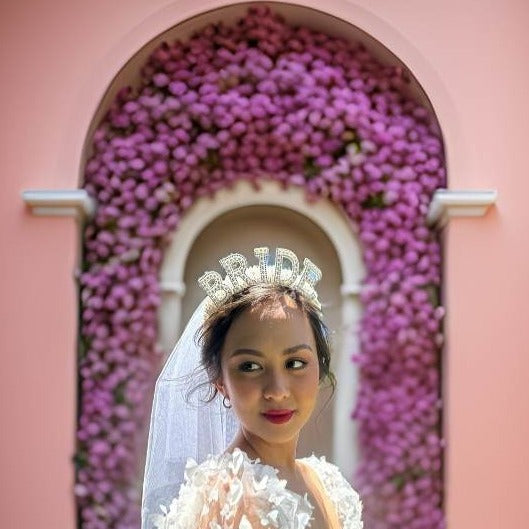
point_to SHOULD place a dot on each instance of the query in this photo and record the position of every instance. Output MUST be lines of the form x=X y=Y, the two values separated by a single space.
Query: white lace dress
x=232 y=491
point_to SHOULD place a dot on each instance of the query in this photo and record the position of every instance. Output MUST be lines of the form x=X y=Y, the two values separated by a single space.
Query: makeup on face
x=271 y=371
x=278 y=416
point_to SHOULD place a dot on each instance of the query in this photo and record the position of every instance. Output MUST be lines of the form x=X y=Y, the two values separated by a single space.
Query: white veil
x=182 y=424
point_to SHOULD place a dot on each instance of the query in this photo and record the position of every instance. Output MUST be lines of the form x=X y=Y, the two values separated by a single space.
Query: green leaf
x=80 y=459
x=119 y=393
x=433 y=294
x=310 y=168
x=212 y=159
x=351 y=137
x=399 y=480
x=375 y=200
x=84 y=346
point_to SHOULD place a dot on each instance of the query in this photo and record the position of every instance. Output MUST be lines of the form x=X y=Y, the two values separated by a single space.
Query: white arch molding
x=335 y=225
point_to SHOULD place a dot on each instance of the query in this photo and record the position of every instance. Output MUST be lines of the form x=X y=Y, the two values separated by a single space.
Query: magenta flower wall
x=264 y=100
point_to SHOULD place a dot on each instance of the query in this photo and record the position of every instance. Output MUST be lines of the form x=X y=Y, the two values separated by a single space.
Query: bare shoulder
x=339 y=490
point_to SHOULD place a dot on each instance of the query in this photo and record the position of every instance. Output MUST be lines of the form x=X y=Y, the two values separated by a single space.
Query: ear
x=219 y=385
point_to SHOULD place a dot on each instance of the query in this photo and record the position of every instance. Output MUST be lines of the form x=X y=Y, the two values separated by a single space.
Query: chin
x=277 y=438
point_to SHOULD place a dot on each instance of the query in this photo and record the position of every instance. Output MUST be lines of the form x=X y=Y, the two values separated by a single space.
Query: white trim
x=323 y=213
x=173 y=287
x=337 y=227
x=447 y=203
x=350 y=289
x=60 y=202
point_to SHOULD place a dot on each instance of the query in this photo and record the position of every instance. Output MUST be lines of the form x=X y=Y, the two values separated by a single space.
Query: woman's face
x=270 y=370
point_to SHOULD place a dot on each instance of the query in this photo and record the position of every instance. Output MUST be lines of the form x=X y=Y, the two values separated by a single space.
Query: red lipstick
x=278 y=416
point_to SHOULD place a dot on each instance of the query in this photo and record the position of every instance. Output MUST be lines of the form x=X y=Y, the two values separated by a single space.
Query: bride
x=261 y=347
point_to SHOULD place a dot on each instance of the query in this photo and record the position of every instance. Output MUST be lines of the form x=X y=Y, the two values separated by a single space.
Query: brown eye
x=248 y=367
x=295 y=363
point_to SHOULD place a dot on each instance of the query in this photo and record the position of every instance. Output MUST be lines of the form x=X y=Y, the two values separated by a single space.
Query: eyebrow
x=287 y=351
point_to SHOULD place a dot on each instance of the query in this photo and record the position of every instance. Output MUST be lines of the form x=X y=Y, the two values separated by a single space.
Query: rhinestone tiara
x=239 y=275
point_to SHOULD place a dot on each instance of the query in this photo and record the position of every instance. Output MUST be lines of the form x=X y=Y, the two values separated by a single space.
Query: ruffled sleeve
x=231 y=491
x=345 y=499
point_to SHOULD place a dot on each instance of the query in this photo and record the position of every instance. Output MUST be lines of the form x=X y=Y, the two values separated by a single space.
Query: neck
x=279 y=455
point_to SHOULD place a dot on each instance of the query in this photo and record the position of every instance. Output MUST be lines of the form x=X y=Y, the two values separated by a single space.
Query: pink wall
x=470 y=55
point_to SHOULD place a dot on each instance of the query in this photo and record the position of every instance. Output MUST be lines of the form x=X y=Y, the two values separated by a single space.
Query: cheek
x=241 y=388
x=307 y=386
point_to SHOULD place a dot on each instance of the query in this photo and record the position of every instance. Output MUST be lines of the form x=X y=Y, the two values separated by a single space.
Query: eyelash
x=242 y=366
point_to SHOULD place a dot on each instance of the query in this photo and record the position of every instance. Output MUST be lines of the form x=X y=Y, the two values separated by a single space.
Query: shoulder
x=345 y=498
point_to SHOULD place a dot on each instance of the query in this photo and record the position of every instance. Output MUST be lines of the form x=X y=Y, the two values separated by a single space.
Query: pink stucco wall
x=58 y=57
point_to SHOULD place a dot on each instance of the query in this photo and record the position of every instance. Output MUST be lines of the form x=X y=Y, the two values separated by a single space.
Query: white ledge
x=350 y=289
x=60 y=202
x=447 y=203
x=173 y=287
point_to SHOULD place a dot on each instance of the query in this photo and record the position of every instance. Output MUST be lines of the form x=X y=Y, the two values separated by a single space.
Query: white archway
x=337 y=227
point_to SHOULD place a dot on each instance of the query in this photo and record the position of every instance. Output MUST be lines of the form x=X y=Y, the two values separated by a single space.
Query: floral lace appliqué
x=232 y=491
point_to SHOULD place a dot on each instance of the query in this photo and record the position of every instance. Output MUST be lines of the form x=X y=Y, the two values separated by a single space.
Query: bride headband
x=239 y=275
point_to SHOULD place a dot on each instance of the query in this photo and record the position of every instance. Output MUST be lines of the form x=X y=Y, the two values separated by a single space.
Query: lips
x=278 y=416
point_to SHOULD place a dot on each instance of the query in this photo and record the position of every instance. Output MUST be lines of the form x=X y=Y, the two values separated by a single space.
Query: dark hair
x=212 y=333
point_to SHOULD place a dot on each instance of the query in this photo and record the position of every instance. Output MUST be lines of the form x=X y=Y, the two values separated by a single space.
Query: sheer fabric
x=232 y=491
x=182 y=424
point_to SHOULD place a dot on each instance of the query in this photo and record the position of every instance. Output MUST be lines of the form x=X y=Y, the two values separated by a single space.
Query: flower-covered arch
x=258 y=100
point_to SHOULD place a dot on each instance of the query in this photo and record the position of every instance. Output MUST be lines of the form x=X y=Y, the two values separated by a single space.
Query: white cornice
x=447 y=203
x=60 y=202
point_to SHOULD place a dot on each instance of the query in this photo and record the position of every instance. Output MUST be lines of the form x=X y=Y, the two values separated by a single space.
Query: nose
x=276 y=387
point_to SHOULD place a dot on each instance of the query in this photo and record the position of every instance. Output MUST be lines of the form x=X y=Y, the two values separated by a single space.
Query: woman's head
x=267 y=348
